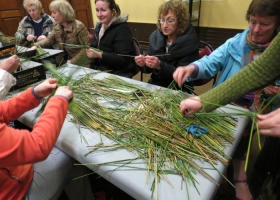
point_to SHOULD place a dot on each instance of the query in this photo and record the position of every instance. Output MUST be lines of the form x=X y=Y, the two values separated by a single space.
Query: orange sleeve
x=21 y=146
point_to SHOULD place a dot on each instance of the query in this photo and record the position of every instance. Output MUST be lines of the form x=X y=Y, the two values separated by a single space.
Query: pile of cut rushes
x=150 y=124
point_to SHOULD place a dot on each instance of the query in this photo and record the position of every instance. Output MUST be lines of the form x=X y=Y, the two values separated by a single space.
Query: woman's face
x=34 y=12
x=104 y=13
x=262 y=28
x=169 y=24
x=57 y=16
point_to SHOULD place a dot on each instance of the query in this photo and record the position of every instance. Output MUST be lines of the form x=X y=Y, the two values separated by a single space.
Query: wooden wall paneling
x=214 y=36
x=83 y=12
x=142 y=32
x=11 y=13
x=46 y=4
x=217 y=36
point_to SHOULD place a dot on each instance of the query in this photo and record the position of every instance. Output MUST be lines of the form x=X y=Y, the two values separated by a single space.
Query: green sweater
x=260 y=73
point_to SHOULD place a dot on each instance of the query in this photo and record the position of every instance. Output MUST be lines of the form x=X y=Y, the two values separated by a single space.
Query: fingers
x=10 y=64
x=179 y=76
x=53 y=82
x=190 y=106
x=91 y=53
x=31 y=38
x=140 y=60
x=65 y=92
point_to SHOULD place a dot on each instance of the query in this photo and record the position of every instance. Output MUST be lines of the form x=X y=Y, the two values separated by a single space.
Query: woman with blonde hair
x=36 y=25
x=67 y=30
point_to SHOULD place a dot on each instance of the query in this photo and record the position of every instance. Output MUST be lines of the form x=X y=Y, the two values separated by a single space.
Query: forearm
x=6 y=82
x=24 y=147
x=13 y=108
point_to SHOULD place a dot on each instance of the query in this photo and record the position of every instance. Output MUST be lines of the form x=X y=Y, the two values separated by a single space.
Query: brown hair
x=112 y=6
x=264 y=8
x=181 y=12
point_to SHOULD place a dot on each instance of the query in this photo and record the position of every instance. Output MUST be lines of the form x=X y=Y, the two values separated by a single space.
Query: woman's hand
x=41 y=37
x=152 y=62
x=32 y=48
x=271 y=90
x=65 y=92
x=190 y=105
x=182 y=73
x=31 y=38
x=269 y=124
x=140 y=60
x=10 y=64
x=45 y=88
x=91 y=53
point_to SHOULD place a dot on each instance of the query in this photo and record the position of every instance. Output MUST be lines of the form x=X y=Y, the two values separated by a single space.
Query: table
x=50 y=56
x=132 y=182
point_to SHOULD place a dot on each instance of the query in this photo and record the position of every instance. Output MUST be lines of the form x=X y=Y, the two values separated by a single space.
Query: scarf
x=250 y=48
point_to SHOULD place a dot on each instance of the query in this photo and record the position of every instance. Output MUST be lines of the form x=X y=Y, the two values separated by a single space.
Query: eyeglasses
x=168 y=22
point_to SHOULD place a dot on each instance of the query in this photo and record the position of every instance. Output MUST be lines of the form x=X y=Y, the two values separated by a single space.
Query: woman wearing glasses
x=174 y=37
x=263 y=17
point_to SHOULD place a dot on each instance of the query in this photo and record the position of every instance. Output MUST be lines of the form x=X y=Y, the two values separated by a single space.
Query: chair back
x=206 y=50
x=138 y=50
x=91 y=34
x=137 y=47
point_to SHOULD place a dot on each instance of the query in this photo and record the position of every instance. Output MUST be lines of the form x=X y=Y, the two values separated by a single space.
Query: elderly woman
x=175 y=36
x=266 y=69
x=237 y=52
x=67 y=30
x=113 y=37
x=36 y=25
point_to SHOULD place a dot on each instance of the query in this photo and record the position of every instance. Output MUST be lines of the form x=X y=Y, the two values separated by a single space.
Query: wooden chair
x=91 y=34
x=205 y=50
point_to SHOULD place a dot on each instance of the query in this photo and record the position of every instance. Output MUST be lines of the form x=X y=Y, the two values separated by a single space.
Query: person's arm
x=83 y=38
x=6 y=82
x=269 y=124
x=7 y=66
x=49 y=42
x=256 y=75
x=210 y=65
x=123 y=44
x=22 y=146
x=166 y=70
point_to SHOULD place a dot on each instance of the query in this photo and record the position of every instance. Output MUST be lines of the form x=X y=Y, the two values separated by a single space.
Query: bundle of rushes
x=150 y=124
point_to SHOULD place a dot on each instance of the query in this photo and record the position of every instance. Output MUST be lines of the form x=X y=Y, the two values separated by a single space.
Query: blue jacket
x=227 y=59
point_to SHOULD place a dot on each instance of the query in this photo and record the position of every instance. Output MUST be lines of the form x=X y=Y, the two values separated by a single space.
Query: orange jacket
x=20 y=148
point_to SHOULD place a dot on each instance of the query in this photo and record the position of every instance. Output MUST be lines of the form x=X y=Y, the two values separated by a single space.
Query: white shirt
x=6 y=82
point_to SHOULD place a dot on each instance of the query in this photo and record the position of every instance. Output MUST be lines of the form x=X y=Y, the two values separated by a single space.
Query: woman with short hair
x=67 y=30
x=35 y=26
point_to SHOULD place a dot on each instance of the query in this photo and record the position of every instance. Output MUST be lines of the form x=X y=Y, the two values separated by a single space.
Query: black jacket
x=117 y=39
x=183 y=51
